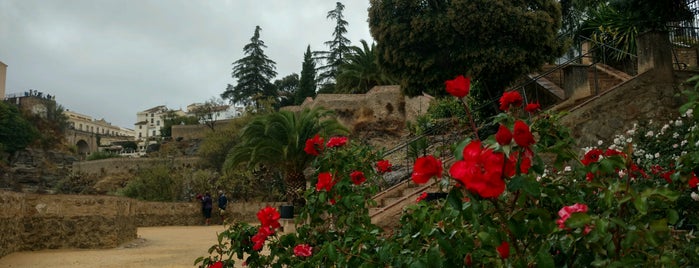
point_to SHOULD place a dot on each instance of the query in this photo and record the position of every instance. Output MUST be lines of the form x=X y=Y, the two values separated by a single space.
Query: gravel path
x=173 y=246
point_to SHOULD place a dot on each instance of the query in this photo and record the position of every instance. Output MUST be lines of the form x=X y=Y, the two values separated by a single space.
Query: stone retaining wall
x=35 y=221
x=127 y=165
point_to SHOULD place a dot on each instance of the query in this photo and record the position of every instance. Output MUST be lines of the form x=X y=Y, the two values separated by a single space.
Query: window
x=157 y=123
x=151 y=120
x=139 y=134
x=153 y=132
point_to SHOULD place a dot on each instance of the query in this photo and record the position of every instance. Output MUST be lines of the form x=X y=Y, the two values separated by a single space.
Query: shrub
x=505 y=208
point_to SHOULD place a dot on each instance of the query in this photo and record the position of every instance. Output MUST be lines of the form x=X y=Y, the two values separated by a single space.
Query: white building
x=150 y=121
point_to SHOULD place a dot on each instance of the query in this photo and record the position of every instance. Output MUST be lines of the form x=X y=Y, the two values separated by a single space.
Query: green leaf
x=578 y=220
x=544 y=260
x=455 y=199
x=459 y=150
x=434 y=257
x=641 y=204
x=672 y=216
x=659 y=225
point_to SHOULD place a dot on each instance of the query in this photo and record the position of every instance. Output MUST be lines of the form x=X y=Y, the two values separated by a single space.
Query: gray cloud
x=111 y=59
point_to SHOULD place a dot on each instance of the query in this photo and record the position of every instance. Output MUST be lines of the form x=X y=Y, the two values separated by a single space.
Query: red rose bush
x=524 y=196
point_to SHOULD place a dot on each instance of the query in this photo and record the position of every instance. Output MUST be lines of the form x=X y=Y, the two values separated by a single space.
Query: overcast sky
x=112 y=59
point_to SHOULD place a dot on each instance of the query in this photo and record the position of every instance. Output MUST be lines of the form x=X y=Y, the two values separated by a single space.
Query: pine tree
x=307 y=82
x=254 y=73
x=338 y=48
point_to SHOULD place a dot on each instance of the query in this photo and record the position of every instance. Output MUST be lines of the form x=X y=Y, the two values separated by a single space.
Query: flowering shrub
x=507 y=206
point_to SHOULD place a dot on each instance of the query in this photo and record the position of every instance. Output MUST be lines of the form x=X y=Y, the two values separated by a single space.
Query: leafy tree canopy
x=361 y=71
x=15 y=131
x=254 y=73
x=338 y=48
x=424 y=43
x=286 y=89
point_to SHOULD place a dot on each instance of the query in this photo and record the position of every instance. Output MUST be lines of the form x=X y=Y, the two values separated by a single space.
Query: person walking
x=222 y=203
x=206 y=206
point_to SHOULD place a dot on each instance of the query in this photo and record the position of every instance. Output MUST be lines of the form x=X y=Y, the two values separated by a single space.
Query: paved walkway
x=173 y=246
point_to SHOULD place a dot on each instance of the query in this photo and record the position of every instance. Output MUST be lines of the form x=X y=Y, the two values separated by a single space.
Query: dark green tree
x=254 y=74
x=361 y=72
x=338 y=48
x=286 y=90
x=277 y=141
x=307 y=82
x=424 y=43
x=16 y=132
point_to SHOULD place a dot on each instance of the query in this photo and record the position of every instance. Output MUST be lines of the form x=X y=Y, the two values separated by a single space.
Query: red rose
x=336 y=142
x=693 y=181
x=459 y=86
x=525 y=163
x=425 y=168
x=217 y=264
x=314 y=145
x=523 y=137
x=532 y=107
x=421 y=197
x=303 y=250
x=480 y=171
x=510 y=98
x=504 y=250
x=260 y=237
x=591 y=156
x=269 y=216
x=383 y=166
x=325 y=181
x=566 y=211
x=503 y=136
x=357 y=177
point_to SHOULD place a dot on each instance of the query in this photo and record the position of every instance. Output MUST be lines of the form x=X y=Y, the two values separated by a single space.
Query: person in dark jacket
x=222 y=203
x=206 y=206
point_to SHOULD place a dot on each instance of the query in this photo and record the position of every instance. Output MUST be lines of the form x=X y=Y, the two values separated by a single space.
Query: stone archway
x=83 y=147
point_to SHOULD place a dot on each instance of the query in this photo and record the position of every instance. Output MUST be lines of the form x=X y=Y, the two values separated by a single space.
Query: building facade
x=86 y=123
x=3 y=79
x=149 y=122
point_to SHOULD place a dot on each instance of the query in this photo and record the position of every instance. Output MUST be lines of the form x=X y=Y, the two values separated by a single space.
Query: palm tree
x=277 y=141
x=361 y=71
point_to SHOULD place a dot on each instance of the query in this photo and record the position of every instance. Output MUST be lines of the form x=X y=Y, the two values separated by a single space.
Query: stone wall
x=127 y=165
x=193 y=132
x=651 y=95
x=382 y=105
x=32 y=221
x=686 y=56
x=189 y=213
x=35 y=221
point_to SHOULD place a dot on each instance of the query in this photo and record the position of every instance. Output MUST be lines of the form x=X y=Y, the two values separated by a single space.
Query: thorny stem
x=470 y=118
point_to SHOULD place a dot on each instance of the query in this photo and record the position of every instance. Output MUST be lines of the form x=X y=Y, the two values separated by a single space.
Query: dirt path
x=174 y=246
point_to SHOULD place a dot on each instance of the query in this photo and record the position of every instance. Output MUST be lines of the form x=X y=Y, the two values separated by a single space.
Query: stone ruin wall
x=128 y=165
x=35 y=222
x=380 y=105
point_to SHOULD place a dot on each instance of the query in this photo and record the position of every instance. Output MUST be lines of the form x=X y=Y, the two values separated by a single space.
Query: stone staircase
x=601 y=78
x=390 y=202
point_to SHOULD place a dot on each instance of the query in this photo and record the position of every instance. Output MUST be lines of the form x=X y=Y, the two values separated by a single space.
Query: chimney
x=3 y=76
